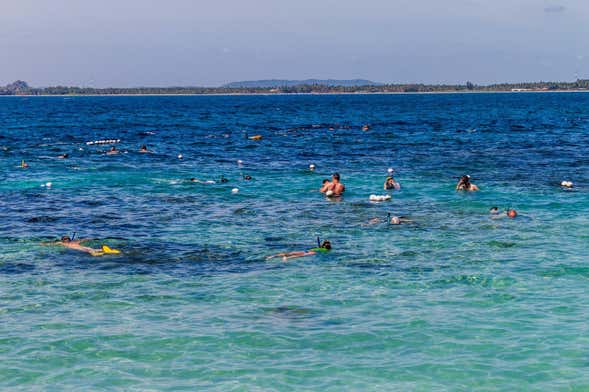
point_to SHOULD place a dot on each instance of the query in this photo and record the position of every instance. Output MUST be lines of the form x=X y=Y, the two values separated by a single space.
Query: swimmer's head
x=193 y=179
x=311 y=167
x=326 y=244
x=247 y=177
x=335 y=176
x=325 y=181
x=144 y=148
x=511 y=213
x=465 y=179
x=65 y=238
x=395 y=220
x=390 y=171
x=494 y=210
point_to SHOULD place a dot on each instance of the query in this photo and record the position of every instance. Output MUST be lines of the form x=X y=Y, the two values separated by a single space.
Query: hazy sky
x=206 y=43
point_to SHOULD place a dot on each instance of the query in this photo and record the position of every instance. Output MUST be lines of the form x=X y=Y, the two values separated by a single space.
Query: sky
x=126 y=43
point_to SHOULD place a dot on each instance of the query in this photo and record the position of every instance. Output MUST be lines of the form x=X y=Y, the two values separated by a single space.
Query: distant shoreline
x=294 y=94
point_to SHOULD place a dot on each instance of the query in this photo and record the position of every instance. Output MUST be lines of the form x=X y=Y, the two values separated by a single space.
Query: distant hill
x=275 y=83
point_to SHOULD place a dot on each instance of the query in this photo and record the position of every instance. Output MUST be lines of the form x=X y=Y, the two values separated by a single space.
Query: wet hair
x=326 y=244
x=335 y=176
x=325 y=181
x=247 y=177
x=465 y=179
x=65 y=238
x=144 y=147
x=494 y=209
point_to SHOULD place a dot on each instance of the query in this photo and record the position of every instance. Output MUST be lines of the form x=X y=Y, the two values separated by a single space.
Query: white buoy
x=235 y=190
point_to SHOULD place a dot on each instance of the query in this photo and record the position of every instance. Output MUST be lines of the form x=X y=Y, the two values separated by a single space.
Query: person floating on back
x=464 y=184
x=325 y=247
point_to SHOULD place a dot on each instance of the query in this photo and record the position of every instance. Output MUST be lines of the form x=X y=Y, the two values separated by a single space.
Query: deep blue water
x=456 y=301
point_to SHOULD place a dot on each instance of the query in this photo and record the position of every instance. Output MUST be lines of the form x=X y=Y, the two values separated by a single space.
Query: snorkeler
x=509 y=213
x=325 y=184
x=325 y=247
x=391 y=184
x=464 y=184
x=112 y=151
x=336 y=188
x=67 y=242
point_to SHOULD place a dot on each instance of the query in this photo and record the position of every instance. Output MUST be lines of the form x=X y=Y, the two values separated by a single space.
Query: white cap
x=390 y=170
x=239 y=162
x=311 y=166
x=180 y=156
x=234 y=190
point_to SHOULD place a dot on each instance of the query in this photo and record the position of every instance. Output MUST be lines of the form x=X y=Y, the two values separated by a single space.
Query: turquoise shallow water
x=457 y=301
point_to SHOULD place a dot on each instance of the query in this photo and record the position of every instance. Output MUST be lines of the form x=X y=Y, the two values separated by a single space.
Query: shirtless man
x=77 y=245
x=464 y=184
x=336 y=186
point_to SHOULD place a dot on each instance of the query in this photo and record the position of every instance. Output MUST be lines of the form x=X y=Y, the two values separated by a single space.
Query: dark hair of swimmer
x=144 y=147
x=326 y=244
x=335 y=176
x=325 y=181
x=247 y=177
x=494 y=210
x=65 y=238
x=192 y=179
x=465 y=179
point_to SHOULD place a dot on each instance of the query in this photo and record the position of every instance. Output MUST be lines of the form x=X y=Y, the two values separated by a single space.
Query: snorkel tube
x=73 y=236
x=389 y=218
x=318 y=242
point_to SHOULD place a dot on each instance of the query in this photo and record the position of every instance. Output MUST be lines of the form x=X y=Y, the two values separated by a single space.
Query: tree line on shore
x=22 y=88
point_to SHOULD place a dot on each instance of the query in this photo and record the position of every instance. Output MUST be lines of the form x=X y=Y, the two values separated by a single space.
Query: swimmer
x=67 y=242
x=23 y=164
x=365 y=128
x=391 y=220
x=325 y=247
x=113 y=150
x=509 y=213
x=247 y=177
x=464 y=184
x=312 y=167
x=325 y=184
x=336 y=186
x=63 y=156
x=143 y=149
x=196 y=180
x=223 y=179
x=391 y=184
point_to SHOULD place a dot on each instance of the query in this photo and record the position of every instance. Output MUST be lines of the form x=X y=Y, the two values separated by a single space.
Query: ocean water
x=456 y=301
